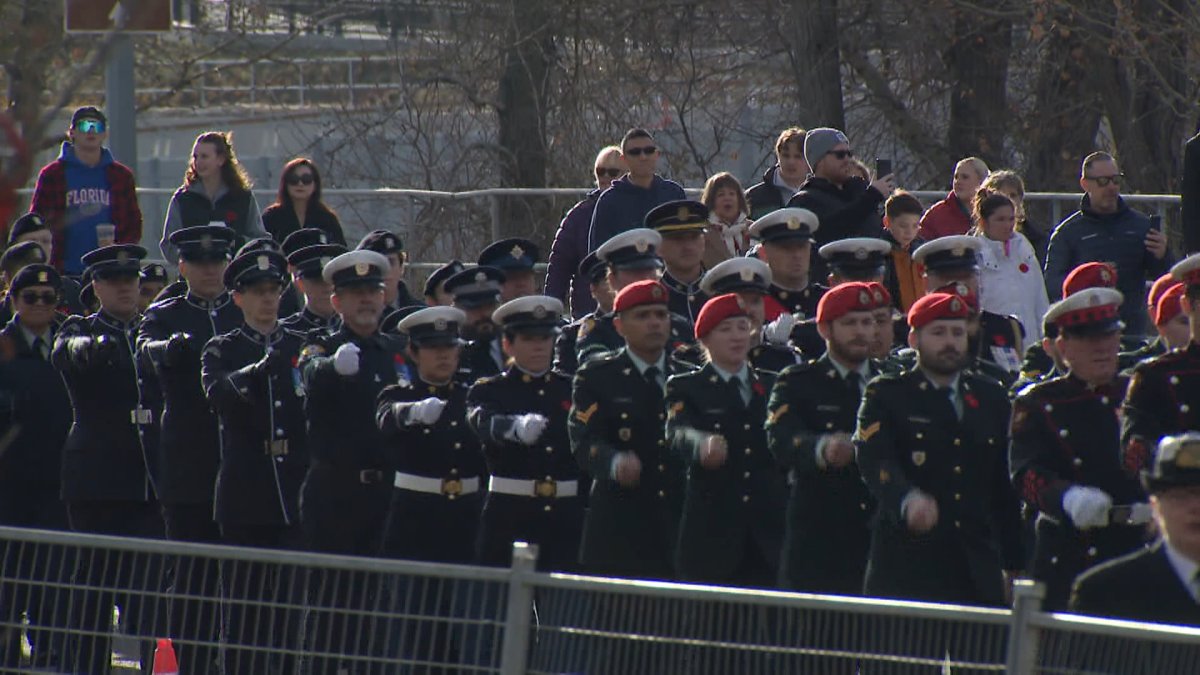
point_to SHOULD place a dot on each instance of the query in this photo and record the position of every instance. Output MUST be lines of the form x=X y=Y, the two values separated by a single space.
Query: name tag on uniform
x=829 y=408
x=920 y=420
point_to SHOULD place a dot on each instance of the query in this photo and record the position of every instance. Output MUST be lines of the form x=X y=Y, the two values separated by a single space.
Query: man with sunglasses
x=625 y=204
x=1106 y=229
x=84 y=190
x=845 y=205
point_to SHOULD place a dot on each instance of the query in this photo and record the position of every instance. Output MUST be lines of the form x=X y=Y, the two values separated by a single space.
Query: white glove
x=426 y=411
x=1087 y=506
x=345 y=359
x=527 y=428
x=779 y=331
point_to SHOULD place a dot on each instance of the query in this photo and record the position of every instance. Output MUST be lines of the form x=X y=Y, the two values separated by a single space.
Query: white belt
x=533 y=488
x=450 y=487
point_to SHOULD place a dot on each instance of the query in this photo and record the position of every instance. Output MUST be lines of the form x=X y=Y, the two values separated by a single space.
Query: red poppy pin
x=999 y=340
x=230 y=216
x=1023 y=267
x=398 y=359
x=970 y=400
x=295 y=361
x=760 y=389
x=566 y=405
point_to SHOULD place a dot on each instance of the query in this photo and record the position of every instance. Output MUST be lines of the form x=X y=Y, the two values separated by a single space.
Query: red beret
x=880 y=294
x=1170 y=303
x=852 y=296
x=1089 y=275
x=1161 y=285
x=936 y=306
x=717 y=310
x=961 y=290
x=644 y=292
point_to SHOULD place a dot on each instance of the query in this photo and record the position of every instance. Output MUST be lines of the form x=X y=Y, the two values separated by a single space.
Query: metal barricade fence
x=95 y=604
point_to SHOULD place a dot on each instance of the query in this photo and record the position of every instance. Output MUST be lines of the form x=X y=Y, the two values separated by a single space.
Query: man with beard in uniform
x=440 y=471
x=992 y=338
x=345 y=497
x=476 y=292
x=596 y=272
x=306 y=265
x=637 y=491
x=750 y=279
x=631 y=256
x=811 y=419
x=1164 y=392
x=521 y=418
x=515 y=258
x=251 y=381
x=1065 y=452
x=105 y=480
x=786 y=237
x=682 y=225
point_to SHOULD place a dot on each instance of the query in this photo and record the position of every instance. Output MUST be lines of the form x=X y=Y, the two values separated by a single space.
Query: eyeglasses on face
x=638 y=152
x=603 y=172
x=89 y=126
x=842 y=154
x=1105 y=181
x=33 y=297
x=300 y=179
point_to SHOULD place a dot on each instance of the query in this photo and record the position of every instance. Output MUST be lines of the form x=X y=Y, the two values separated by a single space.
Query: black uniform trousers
x=262 y=619
x=27 y=597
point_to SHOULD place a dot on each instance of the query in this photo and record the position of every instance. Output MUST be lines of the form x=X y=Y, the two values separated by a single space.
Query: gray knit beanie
x=818 y=142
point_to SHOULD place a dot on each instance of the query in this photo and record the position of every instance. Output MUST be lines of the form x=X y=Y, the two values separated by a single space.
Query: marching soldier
x=1164 y=392
x=811 y=421
x=170 y=339
x=252 y=382
x=630 y=256
x=731 y=528
x=306 y=265
x=930 y=446
x=105 y=481
x=856 y=259
x=435 y=285
x=596 y=272
x=34 y=228
x=682 y=225
x=476 y=292
x=397 y=295
x=152 y=279
x=521 y=418
x=289 y=301
x=1133 y=355
x=514 y=258
x=345 y=497
x=637 y=492
x=1065 y=455
x=750 y=279
x=786 y=237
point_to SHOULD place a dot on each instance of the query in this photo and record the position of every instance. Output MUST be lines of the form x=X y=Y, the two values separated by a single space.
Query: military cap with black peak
x=856 y=257
x=593 y=268
x=1091 y=311
x=356 y=268
x=635 y=249
x=26 y=224
x=1188 y=270
x=204 y=242
x=510 y=255
x=532 y=314
x=381 y=241
x=1176 y=464
x=785 y=224
x=302 y=238
x=681 y=215
x=117 y=260
x=433 y=326
x=311 y=260
x=38 y=274
x=440 y=275
x=24 y=253
x=154 y=273
x=955 y=252
x=250 y=268
x=475 y=287
x=737 y=274
x=259 y=244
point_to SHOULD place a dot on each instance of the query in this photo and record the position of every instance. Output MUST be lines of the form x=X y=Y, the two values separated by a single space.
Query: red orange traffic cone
x=165 y=662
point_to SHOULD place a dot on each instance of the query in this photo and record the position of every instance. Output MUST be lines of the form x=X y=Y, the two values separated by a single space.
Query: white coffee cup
x=106 y=234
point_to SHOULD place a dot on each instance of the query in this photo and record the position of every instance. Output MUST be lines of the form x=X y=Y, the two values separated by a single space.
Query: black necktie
x=949 y=394
x=854 y=381
x=39 y=348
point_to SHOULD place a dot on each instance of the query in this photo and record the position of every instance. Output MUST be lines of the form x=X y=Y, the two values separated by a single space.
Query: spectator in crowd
x=784 y=179
x=728 y=233
x=299 y=204
x=1010 y=184
x=623 y=205
x=216 y=189
x=1106 y=229
x=571 y=241
x=1010 y=283
x=1190 y=193
x=952 y=215
x=87 y=198
x=902 y=216
x=845 y=205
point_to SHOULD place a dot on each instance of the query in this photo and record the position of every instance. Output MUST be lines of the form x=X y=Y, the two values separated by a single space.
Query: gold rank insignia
x=517 y=251
x=868 y=431
x=585 y=415
x=885 y=476
x=625 y=434
x=918 y=457
x=779 y=412
x=585 y=328
x=656 y=292
x=676 y=408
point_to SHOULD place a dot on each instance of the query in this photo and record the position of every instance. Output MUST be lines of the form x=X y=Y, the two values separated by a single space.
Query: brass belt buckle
x=451 y=487
x=545 y=488
x=277 y=448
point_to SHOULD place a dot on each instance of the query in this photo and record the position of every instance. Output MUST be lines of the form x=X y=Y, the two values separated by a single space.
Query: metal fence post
x=515 y=651
x=1021 y=658
x=494 y=203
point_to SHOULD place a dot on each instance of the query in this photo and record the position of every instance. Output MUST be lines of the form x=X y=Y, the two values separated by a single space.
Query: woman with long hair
x=298 y=204
x=1010 y=279
x=215 y=188
x=1010 y=184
